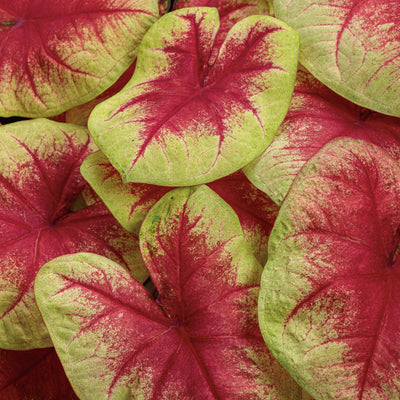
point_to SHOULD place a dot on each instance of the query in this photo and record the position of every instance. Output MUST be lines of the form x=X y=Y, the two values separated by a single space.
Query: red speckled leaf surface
x=57 y=54
x=198 y=340
x=39 y=180
x=130 y=202
x=317 y=115
x=330 y=291
x=34 y=375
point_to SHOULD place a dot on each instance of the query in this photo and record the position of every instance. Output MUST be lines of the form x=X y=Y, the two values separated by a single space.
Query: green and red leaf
x=58 y=54
x=198 y=340
x=329 y=295
x=351 y=46
x=316 y=115
x=39 y=180
x=187 y=117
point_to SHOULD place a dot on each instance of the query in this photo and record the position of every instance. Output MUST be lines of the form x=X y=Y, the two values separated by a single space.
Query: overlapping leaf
x=316 y=115
x=58 y=54
x=34 y=375
x=351 y=46
x=330 y=291
x=187 y=117
x=39 y=180
x=198 y=340
x=130 y=202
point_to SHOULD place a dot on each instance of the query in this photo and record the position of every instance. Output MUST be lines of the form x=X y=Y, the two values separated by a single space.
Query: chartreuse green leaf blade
x=353 y=47
x=199 y=339
x=328 y=306
x=58 y=54
x=188 y=116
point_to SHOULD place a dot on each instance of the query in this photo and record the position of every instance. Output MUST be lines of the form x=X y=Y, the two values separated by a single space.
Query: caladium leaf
x=186 y=118
x=199 y=339
x=58 y=54
x=351 y=46
x=316 y=115
x=131 y=202
x=34 y=375
x=39 y=180
x=328 y=304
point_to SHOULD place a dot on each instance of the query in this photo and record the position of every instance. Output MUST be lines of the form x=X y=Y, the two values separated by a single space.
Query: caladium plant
x=116 y=284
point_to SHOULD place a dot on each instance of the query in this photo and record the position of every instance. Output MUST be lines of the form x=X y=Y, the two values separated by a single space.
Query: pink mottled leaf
x=316 y=115
x=198 y=340
x=34 y=375
x=330 y=291
x=130 y=202
x=55 y=55
x=352 y=46
x=39 y=180
x=187 y=117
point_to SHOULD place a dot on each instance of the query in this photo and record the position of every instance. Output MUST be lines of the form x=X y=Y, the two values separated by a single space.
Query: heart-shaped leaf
x=329 y=294
x=186 y=117
x=200 y=338
x=58 y=54
x=131 y=202
x=34 y=375
x=39 y=180
x=316 y=115
x=351 y=46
